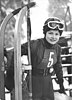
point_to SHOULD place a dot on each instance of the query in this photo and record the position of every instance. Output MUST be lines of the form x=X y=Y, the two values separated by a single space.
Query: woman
x=45 y=57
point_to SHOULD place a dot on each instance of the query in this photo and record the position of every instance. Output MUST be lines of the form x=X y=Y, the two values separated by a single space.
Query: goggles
x=56 y=24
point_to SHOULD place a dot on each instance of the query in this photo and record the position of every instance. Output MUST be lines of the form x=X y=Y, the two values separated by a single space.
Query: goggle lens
x=55 y=24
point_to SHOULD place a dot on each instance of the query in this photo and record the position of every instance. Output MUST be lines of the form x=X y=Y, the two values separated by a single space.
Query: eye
x=50 y=33
x=56 y=33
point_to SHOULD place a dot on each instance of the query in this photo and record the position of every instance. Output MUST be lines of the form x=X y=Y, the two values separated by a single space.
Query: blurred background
x=38 y=14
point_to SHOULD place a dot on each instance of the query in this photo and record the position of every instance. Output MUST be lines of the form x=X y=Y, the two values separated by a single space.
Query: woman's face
x=53 y=36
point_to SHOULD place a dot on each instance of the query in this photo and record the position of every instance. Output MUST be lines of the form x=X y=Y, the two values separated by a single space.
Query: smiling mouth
x=52 y=40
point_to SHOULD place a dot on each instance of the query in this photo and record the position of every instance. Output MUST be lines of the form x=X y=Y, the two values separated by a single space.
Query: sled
x=17 y=51
x=18 y=89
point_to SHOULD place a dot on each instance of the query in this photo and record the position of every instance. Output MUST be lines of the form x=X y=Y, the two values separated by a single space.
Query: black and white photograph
x=35 y=49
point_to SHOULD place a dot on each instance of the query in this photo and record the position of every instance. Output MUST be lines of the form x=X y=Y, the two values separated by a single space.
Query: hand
x=62 y=90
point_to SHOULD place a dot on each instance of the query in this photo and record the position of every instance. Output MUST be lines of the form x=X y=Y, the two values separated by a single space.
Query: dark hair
x=46 y=28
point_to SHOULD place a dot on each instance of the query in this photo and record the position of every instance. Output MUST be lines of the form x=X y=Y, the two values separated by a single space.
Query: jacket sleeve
x=9 y=76
x=24 y=47
x=59 y=72
x=58 y=67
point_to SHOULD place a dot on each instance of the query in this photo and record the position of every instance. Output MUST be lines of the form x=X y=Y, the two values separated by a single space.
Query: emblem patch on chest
x=50 y=56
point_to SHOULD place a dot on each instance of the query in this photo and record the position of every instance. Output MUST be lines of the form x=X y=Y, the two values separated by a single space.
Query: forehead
x=54 y=32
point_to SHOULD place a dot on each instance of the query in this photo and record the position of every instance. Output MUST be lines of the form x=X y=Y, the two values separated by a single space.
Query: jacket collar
x=47 y=44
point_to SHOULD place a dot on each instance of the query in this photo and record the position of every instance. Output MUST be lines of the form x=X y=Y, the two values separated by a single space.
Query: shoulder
x=36 y=42
x=58 y=48
x=35 y=45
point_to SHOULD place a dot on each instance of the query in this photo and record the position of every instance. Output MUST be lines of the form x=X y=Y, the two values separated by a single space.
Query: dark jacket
x=37 y=51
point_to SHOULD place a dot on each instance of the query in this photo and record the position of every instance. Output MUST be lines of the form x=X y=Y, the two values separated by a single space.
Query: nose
x=54 y=36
